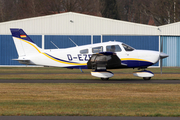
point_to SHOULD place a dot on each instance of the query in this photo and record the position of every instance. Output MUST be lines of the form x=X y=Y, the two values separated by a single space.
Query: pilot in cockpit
x=112 y=48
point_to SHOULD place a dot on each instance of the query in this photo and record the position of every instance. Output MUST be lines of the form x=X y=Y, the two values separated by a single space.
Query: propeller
x=162 y=55
x=161 y=51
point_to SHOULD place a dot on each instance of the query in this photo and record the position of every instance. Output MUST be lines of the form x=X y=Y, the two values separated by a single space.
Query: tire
x=146 y=78
x=104 y=78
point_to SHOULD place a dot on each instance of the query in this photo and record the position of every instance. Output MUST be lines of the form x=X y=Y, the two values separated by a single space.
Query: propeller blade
x=161 y=51
x=161 y=47
x=161 y=65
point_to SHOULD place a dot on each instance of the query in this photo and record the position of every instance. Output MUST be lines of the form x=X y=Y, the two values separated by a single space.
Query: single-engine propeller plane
x=98 y=57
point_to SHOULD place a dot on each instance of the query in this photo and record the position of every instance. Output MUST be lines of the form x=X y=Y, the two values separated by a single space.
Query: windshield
x=127 y=48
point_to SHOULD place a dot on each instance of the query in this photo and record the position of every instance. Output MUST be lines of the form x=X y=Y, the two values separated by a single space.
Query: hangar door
x=171 y=46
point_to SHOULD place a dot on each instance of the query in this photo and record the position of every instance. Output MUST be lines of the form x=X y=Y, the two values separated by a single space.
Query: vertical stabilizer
x=24 y=45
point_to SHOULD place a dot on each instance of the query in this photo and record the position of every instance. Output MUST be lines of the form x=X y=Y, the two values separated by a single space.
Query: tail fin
x=24 y=45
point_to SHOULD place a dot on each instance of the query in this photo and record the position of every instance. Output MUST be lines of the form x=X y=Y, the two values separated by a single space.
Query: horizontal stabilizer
x=22 y=61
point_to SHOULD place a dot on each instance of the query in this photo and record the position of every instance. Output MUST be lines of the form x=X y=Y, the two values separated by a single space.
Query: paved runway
x=95 y=81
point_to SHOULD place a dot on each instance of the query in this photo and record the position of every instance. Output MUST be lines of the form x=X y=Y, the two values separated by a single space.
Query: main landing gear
x=146 y=78
x=104 y=79
x=104 y=75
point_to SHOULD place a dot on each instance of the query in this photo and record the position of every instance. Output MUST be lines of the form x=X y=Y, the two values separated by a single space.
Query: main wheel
x=146 y=78
x=104 y=78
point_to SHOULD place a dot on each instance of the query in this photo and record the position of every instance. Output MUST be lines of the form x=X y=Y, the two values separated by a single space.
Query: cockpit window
x=85 y=51
x=97 y=49
x=113 y=48
x=127 y=48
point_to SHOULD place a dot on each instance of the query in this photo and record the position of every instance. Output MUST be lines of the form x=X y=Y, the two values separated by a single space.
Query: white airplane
x=98 y=57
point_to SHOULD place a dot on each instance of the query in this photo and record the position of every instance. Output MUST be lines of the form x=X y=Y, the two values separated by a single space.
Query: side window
x=85 y=51
x=97 y=49
x=113 y=48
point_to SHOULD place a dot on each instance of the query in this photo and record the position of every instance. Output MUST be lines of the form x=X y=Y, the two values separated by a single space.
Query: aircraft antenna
x=54 y=45
x=73 y=42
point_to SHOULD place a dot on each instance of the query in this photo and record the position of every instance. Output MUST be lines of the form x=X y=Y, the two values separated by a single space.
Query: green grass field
x=41 y=99
x=63 y=73
x=90 y=99
x=64 y=70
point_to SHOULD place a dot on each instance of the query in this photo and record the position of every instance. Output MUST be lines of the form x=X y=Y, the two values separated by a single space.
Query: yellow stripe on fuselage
x=134 y=59
x=51 y=57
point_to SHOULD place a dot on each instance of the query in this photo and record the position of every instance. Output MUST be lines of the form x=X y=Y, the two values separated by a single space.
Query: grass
x=90 y=99
x=41 y=99
x=63 y=73
x=83 y=76
x=57 y=70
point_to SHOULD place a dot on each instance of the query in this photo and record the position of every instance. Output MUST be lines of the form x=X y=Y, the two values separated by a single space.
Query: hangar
x=86 y=29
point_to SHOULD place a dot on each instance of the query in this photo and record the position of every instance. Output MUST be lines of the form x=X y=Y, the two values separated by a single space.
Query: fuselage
x=77 y=57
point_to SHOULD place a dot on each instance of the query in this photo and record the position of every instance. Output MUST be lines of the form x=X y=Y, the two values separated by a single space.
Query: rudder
x=24 y=45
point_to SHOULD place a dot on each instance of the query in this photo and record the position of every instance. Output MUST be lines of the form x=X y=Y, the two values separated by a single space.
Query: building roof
x=71 y=23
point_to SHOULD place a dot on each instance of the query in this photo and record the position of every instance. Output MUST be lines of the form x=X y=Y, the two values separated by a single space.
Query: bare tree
x=2 y=6
x=139 y=11
x=161 y=10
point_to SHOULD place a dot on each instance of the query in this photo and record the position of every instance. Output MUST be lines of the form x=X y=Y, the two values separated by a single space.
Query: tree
x=161 y=10
x=1 y=10
x=139 y=11
x=109 y=9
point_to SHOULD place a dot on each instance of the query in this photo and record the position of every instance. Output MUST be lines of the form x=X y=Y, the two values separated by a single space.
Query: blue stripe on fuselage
x=135 y=63
x=59 y=59
x=78 y=67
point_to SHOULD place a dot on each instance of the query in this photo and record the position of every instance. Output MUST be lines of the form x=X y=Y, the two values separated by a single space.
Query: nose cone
x=163 y=55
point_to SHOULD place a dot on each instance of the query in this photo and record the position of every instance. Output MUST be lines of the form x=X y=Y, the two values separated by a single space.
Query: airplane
x=99 y=57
